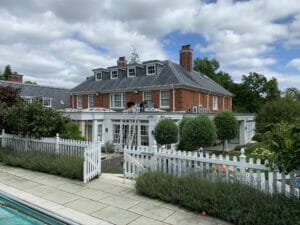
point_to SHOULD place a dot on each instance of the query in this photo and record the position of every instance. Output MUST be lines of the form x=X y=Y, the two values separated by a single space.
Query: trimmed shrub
x=231 y=201
x=66 y=166
x=181 y=124
x=226 y=126
x=166 y=132
x=198 y=132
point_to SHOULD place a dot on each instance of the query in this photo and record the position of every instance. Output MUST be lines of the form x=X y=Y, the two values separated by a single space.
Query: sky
x=59 y=42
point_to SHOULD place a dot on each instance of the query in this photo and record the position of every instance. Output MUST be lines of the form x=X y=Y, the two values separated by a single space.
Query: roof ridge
x=34 y=85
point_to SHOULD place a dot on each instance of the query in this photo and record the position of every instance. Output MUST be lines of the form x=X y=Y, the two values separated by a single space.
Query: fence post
x=84 y=166
x=3 y=144
x=26 y=143
x=57 y=144
x=243 y=164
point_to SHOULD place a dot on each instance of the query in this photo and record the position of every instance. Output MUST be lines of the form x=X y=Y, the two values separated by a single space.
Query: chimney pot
x=186 y=57
x=122 y=61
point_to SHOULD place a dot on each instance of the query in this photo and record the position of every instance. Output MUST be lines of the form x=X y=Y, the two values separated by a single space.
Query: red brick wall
x=15 y=78
x=184 y=100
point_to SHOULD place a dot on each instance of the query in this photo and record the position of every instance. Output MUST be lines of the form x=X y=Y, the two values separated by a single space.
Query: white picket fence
x=90 y=152
x=180 y=163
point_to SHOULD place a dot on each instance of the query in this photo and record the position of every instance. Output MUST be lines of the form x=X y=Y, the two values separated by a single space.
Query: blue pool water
x=16 y=213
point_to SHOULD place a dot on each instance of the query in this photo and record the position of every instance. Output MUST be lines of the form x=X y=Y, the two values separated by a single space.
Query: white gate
x=92 y=162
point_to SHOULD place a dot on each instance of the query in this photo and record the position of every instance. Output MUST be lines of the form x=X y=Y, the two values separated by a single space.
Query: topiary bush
x=166 y=132
x=226 y=126
x=231 y=201
x=181 y=124
x=198 y=132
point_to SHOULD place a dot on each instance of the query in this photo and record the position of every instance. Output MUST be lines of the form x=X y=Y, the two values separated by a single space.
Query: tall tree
x=9 y=96
x=293 y=93
x=207 y=66
x=7 y=72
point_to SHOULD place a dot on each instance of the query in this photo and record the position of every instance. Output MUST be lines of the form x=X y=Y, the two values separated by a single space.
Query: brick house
x=162 y=85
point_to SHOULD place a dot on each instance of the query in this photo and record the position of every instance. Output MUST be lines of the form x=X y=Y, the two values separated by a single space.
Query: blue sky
x=54 y=44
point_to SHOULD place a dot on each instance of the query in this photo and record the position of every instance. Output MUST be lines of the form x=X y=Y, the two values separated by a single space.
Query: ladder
x=132 y=130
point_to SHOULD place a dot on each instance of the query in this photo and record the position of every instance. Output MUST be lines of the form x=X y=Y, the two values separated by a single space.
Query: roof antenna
x=134 y=58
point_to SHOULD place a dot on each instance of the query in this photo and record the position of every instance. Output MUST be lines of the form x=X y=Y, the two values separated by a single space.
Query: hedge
x=66 y=166
x=231 y=201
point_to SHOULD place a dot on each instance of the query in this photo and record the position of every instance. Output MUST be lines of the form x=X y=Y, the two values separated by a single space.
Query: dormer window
x=114 y=74
x=131 y=72
x=98 y=76
x=150 y=69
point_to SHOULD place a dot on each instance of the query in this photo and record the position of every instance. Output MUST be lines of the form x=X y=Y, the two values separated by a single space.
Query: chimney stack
x=122 y=61
x=186 y=57
x=15 y=77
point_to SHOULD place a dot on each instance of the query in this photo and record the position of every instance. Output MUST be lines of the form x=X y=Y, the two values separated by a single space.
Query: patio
x=107 y=200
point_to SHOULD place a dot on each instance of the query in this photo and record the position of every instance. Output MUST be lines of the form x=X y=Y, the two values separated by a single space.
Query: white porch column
x=243 y=131
x=94 y=131
x=151 y=127
x=82 y=127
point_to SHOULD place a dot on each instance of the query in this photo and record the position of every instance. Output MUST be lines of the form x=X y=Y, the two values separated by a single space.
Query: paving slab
x=119 y=201
x=144 y=220
x=116 y=215
x=23 y=184
x=61 y=197
x=92 y=194
x=85 y=205
x=180 y=218
x=71 y=188
x=152 y=211
x=40 y=190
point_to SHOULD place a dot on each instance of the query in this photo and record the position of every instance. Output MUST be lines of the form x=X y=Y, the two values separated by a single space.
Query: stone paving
x=107 y=200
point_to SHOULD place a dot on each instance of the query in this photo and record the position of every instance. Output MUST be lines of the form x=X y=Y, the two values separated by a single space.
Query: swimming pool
x=17 y=212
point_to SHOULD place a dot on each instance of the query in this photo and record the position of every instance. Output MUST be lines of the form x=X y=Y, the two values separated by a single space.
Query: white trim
x=151 y=74
x=166 y=106
x=78 y=101
x=116 y=70
x=132 y=67
x=122 y=101
x=215 y=102
x=89 y=101
x=96 y=75
x=50 y=99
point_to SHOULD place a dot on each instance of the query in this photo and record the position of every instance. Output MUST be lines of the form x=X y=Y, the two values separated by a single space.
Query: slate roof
x=170 y=75
x=58 y=95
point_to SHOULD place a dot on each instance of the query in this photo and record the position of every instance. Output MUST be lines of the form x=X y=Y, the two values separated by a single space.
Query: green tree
x=284 y=110
x=7 y=72
x=198 y=132
x=207 y=66
x=181 y=124
x=226 y=126
x=293 y=93
x=9 y=96
x=166 y=132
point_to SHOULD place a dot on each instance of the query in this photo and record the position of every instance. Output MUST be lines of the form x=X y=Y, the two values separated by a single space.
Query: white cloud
x=294 y=63
x=59 y=41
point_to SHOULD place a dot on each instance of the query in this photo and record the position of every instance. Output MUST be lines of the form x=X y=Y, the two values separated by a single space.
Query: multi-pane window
x=28 y=99
x=79 y=102
x=99 y=132
x=98 y=76
x=150 y=69
x=164 y=98
x=116 y=133
x=91 y=101
x=114 y=74
x=131 y=72
x=148 y=97
x=215 y=102
x=144 y=135
x=47 y=102
x=117 y=100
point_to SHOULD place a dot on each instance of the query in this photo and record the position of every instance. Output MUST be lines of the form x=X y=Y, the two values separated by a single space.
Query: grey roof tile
x=58 y=95
x=170 y=74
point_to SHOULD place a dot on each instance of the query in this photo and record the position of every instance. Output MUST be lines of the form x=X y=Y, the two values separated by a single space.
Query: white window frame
x=160 y=98
x=147 y=68
x=112 y=99
x=215 y=102
x=96 y=75
x=129 y=68
x=50 y=102
x=77 y=102
x=91 y=97
x=100 y=132
x=147 y=100
x=28 y=99
x=111 y=74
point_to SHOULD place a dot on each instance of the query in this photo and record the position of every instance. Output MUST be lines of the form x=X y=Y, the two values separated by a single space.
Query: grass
x=233 y=202
x=66 y=166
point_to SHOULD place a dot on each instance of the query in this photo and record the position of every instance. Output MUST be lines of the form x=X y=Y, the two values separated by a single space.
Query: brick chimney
x=15 y=77
x=186 y=57
x=122 y=61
